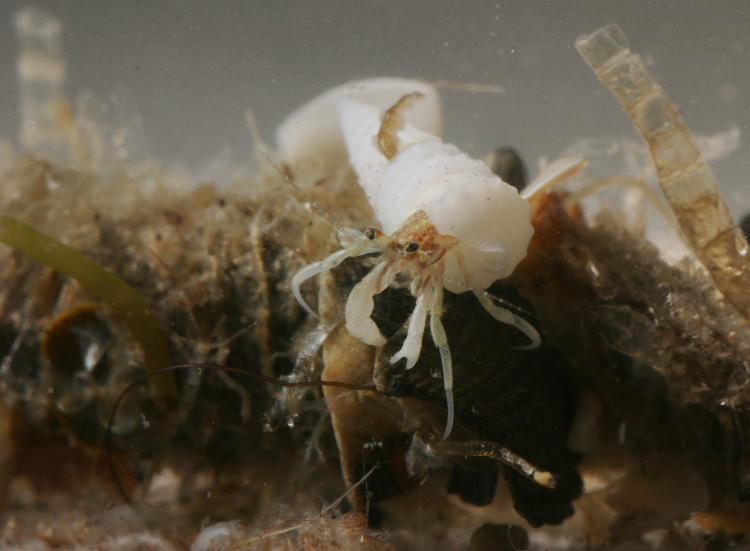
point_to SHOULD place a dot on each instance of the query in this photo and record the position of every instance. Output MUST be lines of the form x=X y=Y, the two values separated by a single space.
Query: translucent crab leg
x=641 y=187
x=557 y=171
x=360 y=304
x=441 y=341
x=311 y=270
x=501 y=314
x=506 y=316
x=482 y=448
x=635 y=184
x=413 y=342
x=687 y=182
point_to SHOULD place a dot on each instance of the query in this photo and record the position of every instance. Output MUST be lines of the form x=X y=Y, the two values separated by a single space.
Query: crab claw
x=360 y=304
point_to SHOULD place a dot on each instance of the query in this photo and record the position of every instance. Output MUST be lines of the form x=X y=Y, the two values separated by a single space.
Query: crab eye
x=371 y=233
x=411 y=247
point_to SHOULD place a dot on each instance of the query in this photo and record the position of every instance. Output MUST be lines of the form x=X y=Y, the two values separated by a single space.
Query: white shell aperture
x=313 y=131
x=461 y=196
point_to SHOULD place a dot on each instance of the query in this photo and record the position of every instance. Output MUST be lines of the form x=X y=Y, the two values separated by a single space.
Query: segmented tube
x=687 y=182
x=41 y=77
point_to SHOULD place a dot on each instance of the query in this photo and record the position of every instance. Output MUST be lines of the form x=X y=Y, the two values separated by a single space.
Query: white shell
x=313 y=132
x=461 y=196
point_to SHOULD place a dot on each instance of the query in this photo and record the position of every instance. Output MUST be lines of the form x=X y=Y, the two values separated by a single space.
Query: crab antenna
x=301 y=195
x=311 y=270
x=441 y=342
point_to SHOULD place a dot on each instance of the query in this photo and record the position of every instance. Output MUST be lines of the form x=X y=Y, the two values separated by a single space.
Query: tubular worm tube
x=687 y=182
x=41 y=76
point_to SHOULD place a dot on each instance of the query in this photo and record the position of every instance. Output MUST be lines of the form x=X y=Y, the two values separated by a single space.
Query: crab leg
x=501 y=314
x=413 y=342
x=320 y=266
x=441 y=342
x=634 y=184
x=482 y=448
x=506 y=316
x=554 y=173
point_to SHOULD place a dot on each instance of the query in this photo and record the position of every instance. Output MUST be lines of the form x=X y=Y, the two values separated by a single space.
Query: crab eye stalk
x=411 y=247
x=371 y=233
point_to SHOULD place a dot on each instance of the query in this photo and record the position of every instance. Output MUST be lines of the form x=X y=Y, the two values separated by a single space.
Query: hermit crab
x=446 y=220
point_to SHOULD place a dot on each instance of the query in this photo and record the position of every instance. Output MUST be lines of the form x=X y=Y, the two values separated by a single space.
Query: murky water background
x=191 y=69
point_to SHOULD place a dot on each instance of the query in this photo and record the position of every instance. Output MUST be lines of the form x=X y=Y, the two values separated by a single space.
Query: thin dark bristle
x=227 y=369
